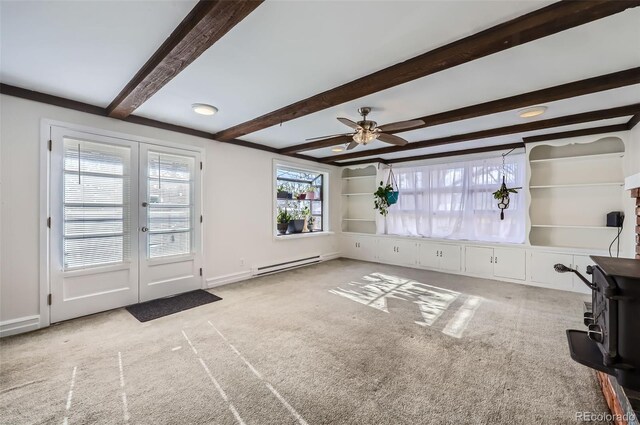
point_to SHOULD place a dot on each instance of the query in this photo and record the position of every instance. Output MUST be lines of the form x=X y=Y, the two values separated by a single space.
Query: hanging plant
x=502 y=194
x=381 y=198
x=386 y=195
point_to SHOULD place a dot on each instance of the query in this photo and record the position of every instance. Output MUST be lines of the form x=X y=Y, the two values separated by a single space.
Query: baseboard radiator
x=287 y=265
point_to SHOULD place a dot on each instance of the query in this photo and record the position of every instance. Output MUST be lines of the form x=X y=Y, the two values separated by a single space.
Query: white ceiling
x=285 y=51
x=86 y=51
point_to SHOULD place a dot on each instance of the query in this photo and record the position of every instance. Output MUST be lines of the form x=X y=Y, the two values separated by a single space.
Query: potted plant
x=311 y=193
x=284 y=192
x=502 y=196
x=297 y=221
x=311 y=220
x=381 y=198
x=301 y=195
x=283 y=220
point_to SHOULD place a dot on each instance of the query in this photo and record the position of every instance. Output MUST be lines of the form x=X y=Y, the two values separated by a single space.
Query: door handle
x=145 y=204
x=145 y=229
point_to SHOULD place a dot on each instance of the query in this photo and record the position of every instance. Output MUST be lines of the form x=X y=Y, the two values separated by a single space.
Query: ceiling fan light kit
x=366 y=131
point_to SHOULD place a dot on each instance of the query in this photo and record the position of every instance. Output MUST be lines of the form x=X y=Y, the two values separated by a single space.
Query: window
x=169 y=185
x=300 y=199
x=95 y=204
x=455 y=201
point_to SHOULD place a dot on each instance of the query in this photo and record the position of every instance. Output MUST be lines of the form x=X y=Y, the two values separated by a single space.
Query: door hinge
x=201 y=165
x=50 y=145
x=49 y=299
x=200 y=271
x=200 y=219
x=49 y=222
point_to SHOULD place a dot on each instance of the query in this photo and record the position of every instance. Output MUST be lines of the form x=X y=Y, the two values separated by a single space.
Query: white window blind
x=96 y=207
x=455 y=201
x=170 y=187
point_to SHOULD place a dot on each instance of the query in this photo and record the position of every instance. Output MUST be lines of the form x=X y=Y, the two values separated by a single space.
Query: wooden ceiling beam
x=564 y=91
x=633 y=121
x=602 y=114
x=207 y=22
x=460 y=152
x=541 y=23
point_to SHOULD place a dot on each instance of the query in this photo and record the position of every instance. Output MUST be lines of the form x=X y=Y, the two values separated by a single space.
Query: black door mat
x=154 y=309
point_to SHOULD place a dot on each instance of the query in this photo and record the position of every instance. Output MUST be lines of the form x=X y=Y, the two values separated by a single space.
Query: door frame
x=45 y=202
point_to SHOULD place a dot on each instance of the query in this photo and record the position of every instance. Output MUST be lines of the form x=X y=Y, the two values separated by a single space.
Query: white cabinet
x=439 y=256
x=479 y=261
x=397 y=251
x=541 y=269
x=359 y=247
x=509 y=263
x=580 y=263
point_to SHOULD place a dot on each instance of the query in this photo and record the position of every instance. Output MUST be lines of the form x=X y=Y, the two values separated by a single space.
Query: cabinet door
x=348 y=247
x=450 y=257
x=509 y=263
x=387 y=251
x=580 y=263
x=366 y=247
x=479 y=261
x=406 y=252
x=428 y=255
x=541 y=269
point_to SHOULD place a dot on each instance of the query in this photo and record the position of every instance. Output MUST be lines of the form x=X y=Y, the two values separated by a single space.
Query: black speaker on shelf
x=615 y=219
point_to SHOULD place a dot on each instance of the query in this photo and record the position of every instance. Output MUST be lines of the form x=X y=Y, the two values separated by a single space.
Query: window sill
x=301 y=235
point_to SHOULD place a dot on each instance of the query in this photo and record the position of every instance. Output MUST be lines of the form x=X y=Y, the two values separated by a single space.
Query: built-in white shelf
x=553 y=186
x=571 y=226
x=359 y=219
x=359 y=177
x=358 y=194
x=580 y=157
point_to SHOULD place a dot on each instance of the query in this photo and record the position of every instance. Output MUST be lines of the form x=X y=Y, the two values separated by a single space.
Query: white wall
x=237 y=203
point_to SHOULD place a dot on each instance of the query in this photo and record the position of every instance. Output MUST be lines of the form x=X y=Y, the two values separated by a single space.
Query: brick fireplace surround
x=635 y=193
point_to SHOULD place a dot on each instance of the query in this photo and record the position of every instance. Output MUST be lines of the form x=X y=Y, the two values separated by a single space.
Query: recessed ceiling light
x=337 y=149
x=532 y=112
x=204 y=109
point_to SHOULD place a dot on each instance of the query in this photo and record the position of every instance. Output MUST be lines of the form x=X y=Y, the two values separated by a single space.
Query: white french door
x=169 y=214
x=124 y=222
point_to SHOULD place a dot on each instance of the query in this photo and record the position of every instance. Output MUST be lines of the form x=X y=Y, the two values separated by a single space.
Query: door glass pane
x=96 y=207
x=170 y=198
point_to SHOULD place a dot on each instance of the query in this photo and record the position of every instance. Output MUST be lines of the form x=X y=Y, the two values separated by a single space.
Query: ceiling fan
x=366 y=131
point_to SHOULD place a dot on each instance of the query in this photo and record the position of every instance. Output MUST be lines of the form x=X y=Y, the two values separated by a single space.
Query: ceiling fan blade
x=391 y=138
x=349 y=123
x=328 y=137
x=352 y=145
x=401 y=125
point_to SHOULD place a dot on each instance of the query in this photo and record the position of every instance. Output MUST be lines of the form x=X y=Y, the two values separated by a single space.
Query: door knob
x=145 y=229
x=145 y=204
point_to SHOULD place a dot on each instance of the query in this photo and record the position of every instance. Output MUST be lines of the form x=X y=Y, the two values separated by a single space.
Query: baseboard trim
x=212 y=282
x=330 y=256
x=19 y=325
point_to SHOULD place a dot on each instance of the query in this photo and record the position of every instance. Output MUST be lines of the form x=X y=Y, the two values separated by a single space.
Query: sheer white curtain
x=455 y=201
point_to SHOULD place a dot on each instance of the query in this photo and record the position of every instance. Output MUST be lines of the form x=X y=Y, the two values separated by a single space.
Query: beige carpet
x=342 y=342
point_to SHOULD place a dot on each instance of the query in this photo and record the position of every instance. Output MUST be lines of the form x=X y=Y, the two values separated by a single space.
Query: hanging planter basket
x=502 y=196
x=386 y=195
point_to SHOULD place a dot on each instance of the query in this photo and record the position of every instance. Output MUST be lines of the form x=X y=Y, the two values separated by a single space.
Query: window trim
x=326 y=230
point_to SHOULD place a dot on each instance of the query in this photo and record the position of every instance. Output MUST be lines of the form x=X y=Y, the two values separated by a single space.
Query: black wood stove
x=611 y=343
